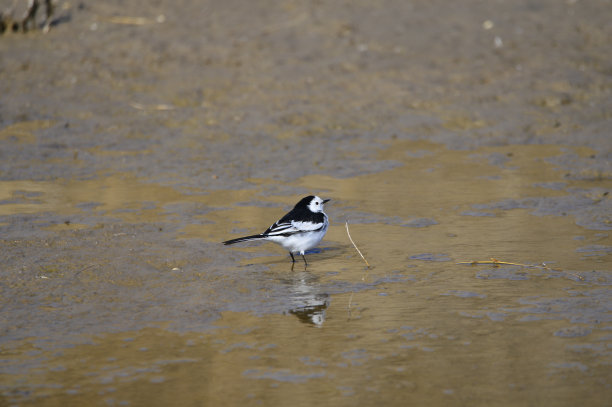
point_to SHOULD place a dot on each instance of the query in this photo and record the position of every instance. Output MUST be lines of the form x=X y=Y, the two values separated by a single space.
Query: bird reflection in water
x=308 y=303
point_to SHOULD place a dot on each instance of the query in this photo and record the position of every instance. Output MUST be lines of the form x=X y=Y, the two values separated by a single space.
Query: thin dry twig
x=126 y=20
x=364 y=259
x=497 y=263
x=83 y=269
x=355 y=246
x=159 y=107
x=507 y=263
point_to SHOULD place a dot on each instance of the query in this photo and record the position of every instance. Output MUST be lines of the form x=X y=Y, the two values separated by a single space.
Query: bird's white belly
x=300 y=242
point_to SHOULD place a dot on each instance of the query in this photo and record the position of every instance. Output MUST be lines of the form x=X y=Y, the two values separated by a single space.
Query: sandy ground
x=135 y=136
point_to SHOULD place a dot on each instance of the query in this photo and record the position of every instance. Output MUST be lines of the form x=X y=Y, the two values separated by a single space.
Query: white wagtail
x=299 y=230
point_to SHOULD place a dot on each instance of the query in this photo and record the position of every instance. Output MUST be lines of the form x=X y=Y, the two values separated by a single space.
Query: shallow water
x=137 y=136
x=131 y=299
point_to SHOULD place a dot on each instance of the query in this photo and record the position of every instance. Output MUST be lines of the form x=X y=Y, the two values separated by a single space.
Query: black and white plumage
x=299 y=230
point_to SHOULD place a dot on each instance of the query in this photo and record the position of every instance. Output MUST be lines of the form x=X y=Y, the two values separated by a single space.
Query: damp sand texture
x=134 y=138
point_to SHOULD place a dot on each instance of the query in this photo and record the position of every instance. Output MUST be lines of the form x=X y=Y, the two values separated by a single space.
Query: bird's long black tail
x=243 y=239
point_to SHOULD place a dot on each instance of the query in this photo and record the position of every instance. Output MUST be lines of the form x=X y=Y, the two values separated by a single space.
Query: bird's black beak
x=326 y=200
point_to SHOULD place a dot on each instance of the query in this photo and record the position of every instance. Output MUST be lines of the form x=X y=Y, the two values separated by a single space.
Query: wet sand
x=443 y=133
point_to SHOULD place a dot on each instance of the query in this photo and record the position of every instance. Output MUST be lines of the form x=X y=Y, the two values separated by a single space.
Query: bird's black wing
x=296 y=221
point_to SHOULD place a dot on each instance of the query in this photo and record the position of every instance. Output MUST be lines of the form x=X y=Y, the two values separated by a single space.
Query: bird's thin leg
x=305 y=262
x=292 y=258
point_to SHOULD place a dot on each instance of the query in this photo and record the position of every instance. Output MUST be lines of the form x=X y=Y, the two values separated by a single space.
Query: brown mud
x=136 y=136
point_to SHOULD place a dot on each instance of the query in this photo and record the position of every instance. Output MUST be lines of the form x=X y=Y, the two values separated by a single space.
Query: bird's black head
x=304 y=202
x=312 y=203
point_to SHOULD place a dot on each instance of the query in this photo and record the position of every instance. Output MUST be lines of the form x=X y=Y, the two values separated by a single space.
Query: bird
x=301 y=229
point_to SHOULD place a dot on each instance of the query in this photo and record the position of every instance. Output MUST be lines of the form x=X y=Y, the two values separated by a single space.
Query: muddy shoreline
x=136 y=136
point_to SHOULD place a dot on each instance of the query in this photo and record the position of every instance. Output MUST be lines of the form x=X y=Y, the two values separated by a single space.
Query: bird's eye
x=317 y=203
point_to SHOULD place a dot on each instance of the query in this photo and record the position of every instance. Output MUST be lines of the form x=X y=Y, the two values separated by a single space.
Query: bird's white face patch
x=316 y=205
